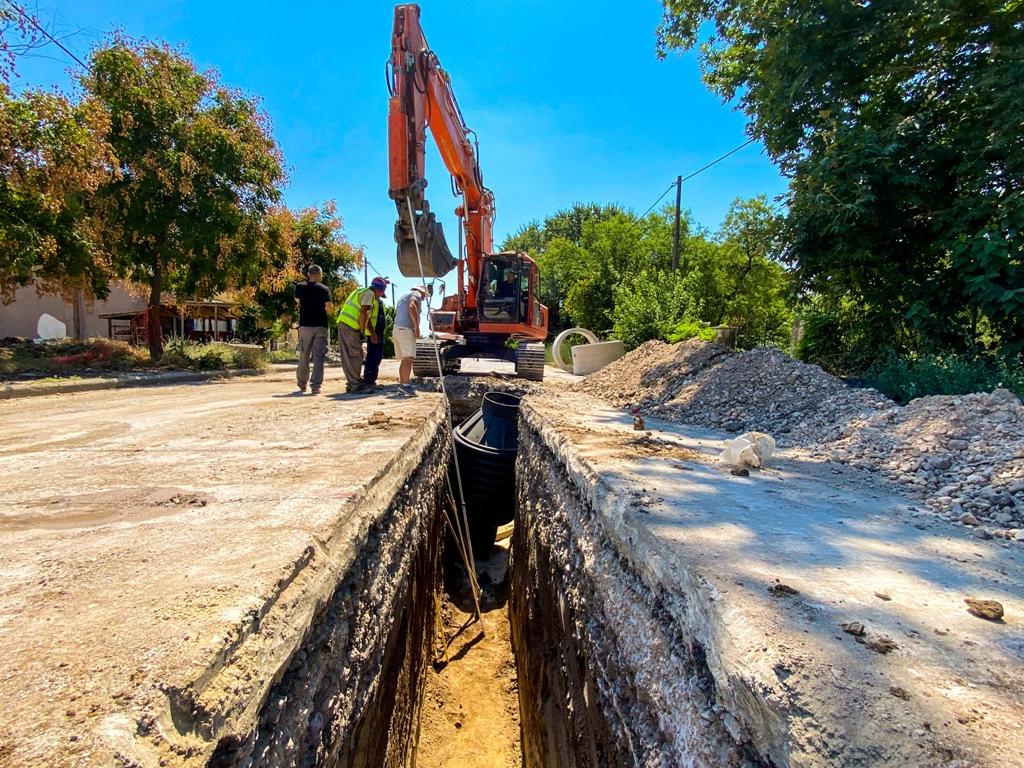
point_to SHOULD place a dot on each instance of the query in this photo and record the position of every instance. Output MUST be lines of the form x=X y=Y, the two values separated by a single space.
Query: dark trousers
x=374 y=353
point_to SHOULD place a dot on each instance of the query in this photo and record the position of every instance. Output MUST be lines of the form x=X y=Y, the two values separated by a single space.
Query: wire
x=748 y=142
x=25 y=15
x=662 y=195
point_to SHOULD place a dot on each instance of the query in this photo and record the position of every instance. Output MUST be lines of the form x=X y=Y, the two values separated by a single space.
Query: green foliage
x=190 y=355
x=52 y=159
x=905 y=377
x=689 y=329
x=609 y=271
x=198 y=174
x=845 y=337
x=900 y=127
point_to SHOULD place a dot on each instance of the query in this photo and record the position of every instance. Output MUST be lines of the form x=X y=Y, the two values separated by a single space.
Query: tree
x=310 y=236
x=555 y=247
x=198 y=172
x=52 y=159
x=899 y=125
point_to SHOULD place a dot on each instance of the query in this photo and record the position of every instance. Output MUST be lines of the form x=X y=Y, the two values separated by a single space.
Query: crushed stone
x=963 y=456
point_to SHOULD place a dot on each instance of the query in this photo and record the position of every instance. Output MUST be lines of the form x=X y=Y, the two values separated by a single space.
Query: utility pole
x=366 y=273
x=675 y=236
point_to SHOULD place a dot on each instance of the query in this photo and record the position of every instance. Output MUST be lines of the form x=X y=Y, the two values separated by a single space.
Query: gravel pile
x=652 y=373
x=963 y=455
x=764 y=390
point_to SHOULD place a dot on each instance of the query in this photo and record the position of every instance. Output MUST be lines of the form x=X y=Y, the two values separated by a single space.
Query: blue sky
x=568 y=99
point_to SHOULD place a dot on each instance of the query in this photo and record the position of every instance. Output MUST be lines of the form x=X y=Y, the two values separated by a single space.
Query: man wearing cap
x=405 y=333
x=375 y=346
x=314 y=300
x=356 y=323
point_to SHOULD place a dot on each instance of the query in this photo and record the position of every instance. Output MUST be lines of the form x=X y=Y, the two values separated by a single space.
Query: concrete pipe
x=556 y=349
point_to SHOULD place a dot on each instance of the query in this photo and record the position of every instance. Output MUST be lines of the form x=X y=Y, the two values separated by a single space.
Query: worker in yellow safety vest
x=357 y=321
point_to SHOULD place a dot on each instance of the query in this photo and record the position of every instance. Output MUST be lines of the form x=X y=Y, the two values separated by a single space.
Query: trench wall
x=607 y=673
x=350 y=695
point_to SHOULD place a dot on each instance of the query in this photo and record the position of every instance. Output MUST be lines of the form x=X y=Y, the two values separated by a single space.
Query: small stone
x=899 y=693
x=740 y=472
x=981 y=533
x=883 y=596
x=854 y=628
x=968 y=519
x=992 y=610
x=782 y=590
x=879 y=643
x=1019 y=535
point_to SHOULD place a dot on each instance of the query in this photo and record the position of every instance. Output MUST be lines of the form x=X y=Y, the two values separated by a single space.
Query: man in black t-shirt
x=314 y=300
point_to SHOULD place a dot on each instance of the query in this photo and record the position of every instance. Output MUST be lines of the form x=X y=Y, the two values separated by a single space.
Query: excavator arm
x=421 y=98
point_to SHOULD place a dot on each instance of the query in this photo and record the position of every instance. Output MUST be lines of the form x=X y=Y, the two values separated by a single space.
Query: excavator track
x=530 y=362
x=425 y=362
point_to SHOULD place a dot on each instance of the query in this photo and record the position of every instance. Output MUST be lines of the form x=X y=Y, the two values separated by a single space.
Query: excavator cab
x=508 y=298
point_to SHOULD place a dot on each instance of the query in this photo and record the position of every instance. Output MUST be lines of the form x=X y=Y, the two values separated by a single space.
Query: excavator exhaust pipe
x=433 y=248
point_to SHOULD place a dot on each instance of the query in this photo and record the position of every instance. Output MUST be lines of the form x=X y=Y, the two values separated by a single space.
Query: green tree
x=900 y=126
x=300 y=239
x=198 y=172
x=554 y=245
x=52 y=159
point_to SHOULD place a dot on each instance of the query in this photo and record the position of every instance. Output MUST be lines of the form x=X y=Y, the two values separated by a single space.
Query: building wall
x=21 y=316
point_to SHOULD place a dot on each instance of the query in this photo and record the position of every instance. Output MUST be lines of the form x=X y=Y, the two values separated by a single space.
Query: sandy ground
x=470 y=715
x=167 y=539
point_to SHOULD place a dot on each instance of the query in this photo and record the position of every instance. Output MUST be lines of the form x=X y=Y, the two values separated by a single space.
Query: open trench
x=574 y=662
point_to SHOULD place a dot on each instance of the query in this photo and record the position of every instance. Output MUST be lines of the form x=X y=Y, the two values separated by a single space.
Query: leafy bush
x=190 y=355
x=846 y=338
x=689 y=329
x=19 y=355
x=904 y=378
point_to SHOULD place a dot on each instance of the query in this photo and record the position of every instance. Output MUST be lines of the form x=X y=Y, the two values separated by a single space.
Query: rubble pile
x=765 y=390
x=651 y=374
x=963 y=455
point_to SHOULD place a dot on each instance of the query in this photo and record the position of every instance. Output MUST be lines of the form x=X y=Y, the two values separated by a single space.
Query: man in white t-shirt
x=405 y=333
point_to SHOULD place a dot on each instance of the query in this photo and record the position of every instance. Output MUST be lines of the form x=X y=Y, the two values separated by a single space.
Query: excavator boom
x=498 y=293
x=421 y=97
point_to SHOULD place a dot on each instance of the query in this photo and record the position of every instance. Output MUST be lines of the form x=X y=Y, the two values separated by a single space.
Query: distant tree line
x=159 y=175
x=606 y=269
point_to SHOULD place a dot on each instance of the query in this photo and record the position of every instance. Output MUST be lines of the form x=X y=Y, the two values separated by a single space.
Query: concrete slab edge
x=702 y=620
x=13 y=391
x=266 y=646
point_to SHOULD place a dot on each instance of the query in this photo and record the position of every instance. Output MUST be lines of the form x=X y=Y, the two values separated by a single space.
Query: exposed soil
x=470 y=713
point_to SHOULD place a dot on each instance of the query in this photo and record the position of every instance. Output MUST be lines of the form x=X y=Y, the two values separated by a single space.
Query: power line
x=748 y=142
x=670 y=186
x=31 y=20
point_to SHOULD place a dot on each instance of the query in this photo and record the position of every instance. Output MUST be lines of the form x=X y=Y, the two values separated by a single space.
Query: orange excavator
x=497 y=300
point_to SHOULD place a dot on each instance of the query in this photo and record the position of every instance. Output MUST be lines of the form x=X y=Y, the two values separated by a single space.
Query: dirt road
x=149 y=537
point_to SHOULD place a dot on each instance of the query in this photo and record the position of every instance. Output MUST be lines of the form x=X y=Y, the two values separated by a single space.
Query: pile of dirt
x=651 y=374
x=763 y=389
x=963 y=455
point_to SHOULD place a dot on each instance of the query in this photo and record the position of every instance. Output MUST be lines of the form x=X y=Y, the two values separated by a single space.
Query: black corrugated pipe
x=486 y=444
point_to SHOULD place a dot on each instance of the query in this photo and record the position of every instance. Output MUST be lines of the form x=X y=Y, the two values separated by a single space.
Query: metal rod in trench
x=444 y=391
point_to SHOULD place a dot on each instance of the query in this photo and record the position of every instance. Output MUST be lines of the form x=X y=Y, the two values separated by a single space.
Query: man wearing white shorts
x=405 y=333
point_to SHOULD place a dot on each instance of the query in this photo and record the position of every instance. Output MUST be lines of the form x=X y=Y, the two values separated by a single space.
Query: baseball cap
x=379 y=283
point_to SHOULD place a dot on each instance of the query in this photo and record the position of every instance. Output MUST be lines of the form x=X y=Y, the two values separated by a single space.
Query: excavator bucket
x=434 y=254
